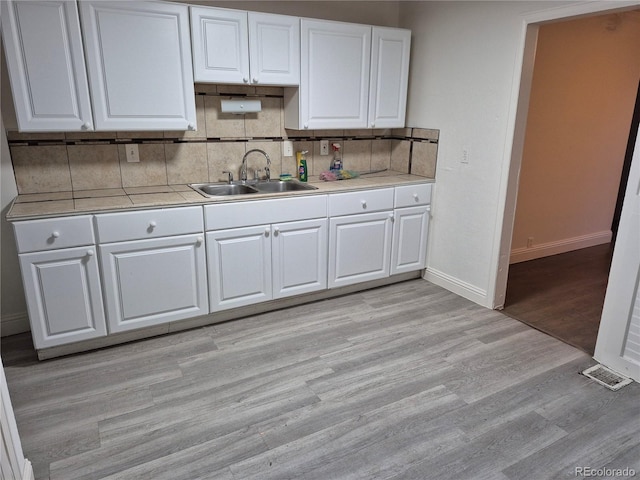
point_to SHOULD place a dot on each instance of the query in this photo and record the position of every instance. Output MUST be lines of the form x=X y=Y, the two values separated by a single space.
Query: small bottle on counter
x=302 y=166
x=336 y=163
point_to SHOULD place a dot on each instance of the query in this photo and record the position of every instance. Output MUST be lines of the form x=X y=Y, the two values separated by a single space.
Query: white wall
x=464 y=80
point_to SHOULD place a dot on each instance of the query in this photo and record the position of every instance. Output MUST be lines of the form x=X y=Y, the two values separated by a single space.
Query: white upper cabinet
x=274 y=49
x=390 y=51
x=46 y=66
x=139 y=65
x=334 y=77
x=233 y=46
x=351 y=76
x=220 y=45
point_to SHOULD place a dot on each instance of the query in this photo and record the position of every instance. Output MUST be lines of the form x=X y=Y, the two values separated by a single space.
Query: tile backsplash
x=77 y=161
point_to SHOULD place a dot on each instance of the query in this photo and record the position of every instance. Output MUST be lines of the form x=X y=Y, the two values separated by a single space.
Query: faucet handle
x=256 y=174
x=230 y=174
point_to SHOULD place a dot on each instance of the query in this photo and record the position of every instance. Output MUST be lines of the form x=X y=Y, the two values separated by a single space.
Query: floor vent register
x=608 y=378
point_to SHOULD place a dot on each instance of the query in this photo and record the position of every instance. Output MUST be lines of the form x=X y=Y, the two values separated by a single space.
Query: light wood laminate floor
x=407 y=381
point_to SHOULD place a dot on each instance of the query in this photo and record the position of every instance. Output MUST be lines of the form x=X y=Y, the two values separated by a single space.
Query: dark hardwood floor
x=407 y=381
x=561 y=295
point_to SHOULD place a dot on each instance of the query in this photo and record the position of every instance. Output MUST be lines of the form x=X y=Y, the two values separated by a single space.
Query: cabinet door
x=410 y=229
x=389 y=77
x=359 y=248
x=334 y=74
x=239 y=266
x=299 y=257
x=139 y=64
x=63 y=294
x=274 y=49
x=46 y=65
x=220 y=45
x=149 y=282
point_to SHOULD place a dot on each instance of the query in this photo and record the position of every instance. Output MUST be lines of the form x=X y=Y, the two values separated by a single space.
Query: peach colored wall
x=584 y=87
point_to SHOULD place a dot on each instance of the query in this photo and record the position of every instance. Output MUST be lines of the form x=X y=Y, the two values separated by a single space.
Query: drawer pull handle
x=55 y=234
x=364 y=203
x=152 y=224
x=91 y=253
x=276 y=232
x=267 y=232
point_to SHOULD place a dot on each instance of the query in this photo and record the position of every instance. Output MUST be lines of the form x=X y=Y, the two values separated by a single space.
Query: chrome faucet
x=267 y=169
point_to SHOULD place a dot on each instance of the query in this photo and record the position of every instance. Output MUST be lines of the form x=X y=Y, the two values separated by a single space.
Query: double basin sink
x=270 y=186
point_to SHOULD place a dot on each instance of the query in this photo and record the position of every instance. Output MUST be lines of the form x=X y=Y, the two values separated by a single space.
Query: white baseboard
x=457 y=286
x=559 y=246
x=14 y=323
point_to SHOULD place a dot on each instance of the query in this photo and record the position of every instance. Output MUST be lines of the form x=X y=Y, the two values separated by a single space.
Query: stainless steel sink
x=271 y=186
x=216 y=189
x=275 y=186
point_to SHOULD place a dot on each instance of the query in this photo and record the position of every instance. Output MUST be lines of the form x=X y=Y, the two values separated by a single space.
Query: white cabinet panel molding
x=139 y=65
x=45 y=59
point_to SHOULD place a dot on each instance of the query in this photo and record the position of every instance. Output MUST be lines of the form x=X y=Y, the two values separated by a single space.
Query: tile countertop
x=42 y=205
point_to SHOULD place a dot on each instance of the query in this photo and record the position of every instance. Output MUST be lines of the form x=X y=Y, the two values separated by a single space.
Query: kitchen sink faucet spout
x=243 y=170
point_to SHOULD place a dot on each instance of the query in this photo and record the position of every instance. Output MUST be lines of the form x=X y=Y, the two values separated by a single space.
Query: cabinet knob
x=199 y=241
x=392 y=217
x=90 y=253
x=267 y=232
x=191 y=127
x=305 y=126
x=86 y=126
x=363 y=203
x=255 y=80
x=153 y=224
x=415 y=197
x=55 y=234
x=373 y=124
x=276 y=232
x=245 y=80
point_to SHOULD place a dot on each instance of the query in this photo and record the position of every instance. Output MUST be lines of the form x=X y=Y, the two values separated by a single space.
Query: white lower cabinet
x=61 y=279
x=299 y=257
x=64 y=299
x=155 y=281
x=359 y=248
x=259 y=263
x=153 y=266
x=239 y=266
x=410 y=229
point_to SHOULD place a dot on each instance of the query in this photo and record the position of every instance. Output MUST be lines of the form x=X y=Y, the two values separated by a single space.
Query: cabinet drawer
x=119 y=227
x=244 y=214
x=365 y=201
x=53 y=233
x=413 y=195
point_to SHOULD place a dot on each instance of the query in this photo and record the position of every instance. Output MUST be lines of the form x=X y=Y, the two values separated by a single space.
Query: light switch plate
x=132 y=153
x=287 y=148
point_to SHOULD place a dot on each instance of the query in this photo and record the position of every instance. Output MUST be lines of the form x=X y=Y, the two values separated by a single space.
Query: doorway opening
x=577 y=147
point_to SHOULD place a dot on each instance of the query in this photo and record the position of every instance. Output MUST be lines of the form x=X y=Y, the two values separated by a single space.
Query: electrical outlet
x=529 y=242
x=324 y=147
x=132 y=153
x=287 y=148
